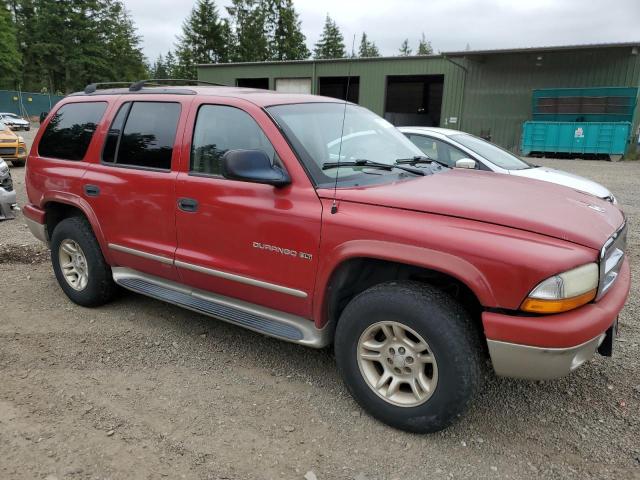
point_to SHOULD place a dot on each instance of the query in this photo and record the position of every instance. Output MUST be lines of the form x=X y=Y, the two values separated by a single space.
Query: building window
x=262 y=83
x=70 y=130
x=293 y=85
x=336 y=87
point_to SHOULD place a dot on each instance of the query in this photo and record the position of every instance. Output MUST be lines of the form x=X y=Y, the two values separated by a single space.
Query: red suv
x=317 y=222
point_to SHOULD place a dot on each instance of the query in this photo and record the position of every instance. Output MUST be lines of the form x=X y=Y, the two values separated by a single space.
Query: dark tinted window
x=70 y=130
x=148 y=135
x=111 y=144
x=218 y=129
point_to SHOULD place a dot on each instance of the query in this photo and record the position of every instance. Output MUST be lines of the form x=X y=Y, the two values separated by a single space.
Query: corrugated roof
x=584 y=46
x=461 y=53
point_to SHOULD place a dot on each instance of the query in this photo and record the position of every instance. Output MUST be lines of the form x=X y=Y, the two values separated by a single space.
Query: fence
x=27 y=104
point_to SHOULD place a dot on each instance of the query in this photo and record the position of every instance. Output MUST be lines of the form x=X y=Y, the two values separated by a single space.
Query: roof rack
x=137 y=86
x=92 y=87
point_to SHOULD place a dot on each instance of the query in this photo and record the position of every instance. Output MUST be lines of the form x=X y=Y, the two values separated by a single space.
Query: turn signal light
x=537 y=305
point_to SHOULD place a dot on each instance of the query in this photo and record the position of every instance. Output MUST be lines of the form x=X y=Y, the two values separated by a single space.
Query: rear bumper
x=35 y=220
x=551 y=346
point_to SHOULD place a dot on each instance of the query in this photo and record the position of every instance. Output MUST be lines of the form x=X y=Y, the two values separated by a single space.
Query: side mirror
x=253 y=166
x=465 y=163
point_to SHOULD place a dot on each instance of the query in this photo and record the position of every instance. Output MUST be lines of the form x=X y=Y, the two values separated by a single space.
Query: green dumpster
x=604 y=138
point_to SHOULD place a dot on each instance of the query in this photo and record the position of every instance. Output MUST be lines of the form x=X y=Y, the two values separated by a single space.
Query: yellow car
x=12 y=147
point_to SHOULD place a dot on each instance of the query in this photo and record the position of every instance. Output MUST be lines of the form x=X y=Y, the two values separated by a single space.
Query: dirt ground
x=139 y=389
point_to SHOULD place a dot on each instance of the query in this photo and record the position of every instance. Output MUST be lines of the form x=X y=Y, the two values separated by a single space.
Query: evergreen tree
x=331 y=43
x=202 y=39
x=170 y=64
x=159 y=68
x=123 y=53
x=9 y=53
x=282 y=26
x=424 y=47
x=367 y=48
x=248 y=27
x=405 y=50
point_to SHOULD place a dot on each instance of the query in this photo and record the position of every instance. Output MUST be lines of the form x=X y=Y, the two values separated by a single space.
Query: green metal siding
x=33 y=103
x=488 y=92
x=372 y=73
x=499 y=87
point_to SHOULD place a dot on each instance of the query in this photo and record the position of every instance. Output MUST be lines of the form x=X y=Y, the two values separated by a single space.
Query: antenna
x=334 y=205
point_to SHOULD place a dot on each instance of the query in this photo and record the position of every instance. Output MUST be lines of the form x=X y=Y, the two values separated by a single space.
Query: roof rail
x=137 y=86
x=92 y=87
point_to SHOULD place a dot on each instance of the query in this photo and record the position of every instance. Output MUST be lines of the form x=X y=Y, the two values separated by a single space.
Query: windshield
x=3 y=127
x=496 y=155
x=314 y=130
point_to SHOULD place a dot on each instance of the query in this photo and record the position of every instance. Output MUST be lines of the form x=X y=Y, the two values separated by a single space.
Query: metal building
x=487 y=93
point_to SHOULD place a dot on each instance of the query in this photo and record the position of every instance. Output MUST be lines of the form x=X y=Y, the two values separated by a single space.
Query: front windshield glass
x=314 y=130
x=496 y=155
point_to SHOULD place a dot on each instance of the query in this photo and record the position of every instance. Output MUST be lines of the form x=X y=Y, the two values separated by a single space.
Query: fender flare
x=442 y=262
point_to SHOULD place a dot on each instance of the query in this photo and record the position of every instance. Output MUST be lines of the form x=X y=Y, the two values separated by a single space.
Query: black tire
x=100 y=286
x=452 y=338
x=18 y=163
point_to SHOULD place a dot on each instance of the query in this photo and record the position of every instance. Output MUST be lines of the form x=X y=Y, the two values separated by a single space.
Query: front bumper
x=8 y=205
x=551 y=346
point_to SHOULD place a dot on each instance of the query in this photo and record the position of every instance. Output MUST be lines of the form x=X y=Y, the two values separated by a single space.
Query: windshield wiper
x=372 y=164
x=419 y=159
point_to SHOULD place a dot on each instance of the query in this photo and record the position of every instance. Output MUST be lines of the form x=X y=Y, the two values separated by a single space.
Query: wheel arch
x=358 y=268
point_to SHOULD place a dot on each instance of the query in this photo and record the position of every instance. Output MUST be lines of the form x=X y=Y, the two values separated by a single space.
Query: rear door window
x=142 y=135
x=69 y=133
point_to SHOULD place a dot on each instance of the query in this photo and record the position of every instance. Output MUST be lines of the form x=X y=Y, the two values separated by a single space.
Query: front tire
x=410 y=355
x=18 y=163
x=78 y=263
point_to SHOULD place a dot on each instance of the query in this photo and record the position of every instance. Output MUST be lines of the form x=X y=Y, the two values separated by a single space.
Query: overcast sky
x=449 y=24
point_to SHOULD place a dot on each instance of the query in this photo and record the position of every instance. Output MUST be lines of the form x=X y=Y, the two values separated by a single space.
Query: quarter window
x=220 y=129
x=70 y=130
x=142 y=135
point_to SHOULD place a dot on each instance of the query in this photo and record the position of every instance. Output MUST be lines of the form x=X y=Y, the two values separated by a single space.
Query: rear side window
x=219 y=129
x=70 y=130
x=142 y=135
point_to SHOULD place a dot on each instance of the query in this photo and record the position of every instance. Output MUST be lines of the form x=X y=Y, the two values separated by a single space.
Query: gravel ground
x=141 y=389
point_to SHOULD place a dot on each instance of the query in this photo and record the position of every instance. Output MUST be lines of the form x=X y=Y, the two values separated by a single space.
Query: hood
x=564 y=178
x=535 y=206
x=8 y=135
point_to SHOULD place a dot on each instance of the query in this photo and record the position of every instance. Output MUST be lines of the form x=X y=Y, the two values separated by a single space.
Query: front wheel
x=410 y=355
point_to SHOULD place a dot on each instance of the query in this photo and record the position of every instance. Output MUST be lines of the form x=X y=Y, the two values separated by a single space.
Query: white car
x=462 y=150
x=14 y=121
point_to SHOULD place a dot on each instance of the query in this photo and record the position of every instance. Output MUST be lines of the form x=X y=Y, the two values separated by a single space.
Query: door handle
x=188 y=204
x=92 y=190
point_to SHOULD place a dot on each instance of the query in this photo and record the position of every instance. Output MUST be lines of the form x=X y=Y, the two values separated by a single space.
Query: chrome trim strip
x=140 y=253
x=539 y=363
x=240 y=279
x=38 y=230
x=210 y=271
x=611 y=259
x=311 y=336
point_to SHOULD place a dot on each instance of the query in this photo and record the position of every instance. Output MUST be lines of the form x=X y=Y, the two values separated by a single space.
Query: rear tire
x=78 y=263
x=436 y=364
x=18 y=163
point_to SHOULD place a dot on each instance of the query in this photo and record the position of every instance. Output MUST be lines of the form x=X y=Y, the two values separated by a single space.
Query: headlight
x=4 y=168
x=564 y=291
x=21 y=139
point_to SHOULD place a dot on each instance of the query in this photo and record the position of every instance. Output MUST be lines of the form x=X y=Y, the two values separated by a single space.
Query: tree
x=424 y=47
x=367 y=48
x=170 y=65
x=159 y=68
x=331 y=43
x=9 y=53
x=123 y=53
x=405 y=50
x=282 y=26
x=248 y=30
x=202 y=40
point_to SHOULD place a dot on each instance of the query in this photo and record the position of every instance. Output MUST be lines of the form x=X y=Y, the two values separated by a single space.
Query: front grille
x=7 y=140
x=7 y=184
x=611 y=259
x=7 y=151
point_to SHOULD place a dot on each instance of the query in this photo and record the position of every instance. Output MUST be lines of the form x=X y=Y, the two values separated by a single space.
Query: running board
x=253 y=317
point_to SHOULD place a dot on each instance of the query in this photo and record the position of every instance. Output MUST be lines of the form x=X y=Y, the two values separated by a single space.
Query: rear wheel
x=410 y=355
x=78 y=263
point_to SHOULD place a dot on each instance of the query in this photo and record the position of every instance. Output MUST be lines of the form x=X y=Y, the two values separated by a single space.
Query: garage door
x=293 y=85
